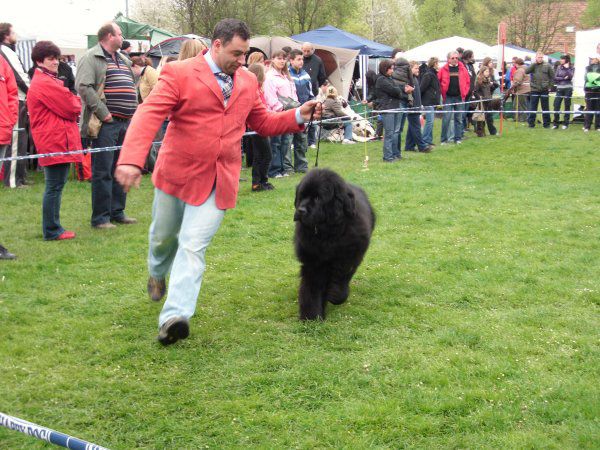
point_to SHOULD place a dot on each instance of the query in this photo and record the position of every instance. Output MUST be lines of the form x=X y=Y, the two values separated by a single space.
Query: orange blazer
x=202 y=146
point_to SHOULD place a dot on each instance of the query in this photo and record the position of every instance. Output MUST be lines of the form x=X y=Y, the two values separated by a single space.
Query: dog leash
x=310 y=124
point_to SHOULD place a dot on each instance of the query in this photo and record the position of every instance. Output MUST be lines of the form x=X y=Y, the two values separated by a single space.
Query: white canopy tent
x=510 y=52
x=441 y=47
x=339 y=62
x=587 y=45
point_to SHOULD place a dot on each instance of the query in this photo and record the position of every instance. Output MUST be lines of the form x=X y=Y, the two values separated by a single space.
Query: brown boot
x=156 y=288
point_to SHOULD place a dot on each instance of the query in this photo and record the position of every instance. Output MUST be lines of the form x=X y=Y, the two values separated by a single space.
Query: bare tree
x=534 y=23
x=158 y=13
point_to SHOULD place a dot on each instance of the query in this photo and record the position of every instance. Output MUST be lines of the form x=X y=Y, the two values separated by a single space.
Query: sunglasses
x=453 y=58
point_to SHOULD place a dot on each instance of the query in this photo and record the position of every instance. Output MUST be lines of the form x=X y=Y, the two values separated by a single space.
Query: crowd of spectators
x=94 y=108
x=410 y=92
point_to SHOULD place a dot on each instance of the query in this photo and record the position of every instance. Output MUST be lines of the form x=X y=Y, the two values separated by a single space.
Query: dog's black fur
x=334 y=223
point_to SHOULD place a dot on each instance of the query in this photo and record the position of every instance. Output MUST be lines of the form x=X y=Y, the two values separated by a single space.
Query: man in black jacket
x=315 y=68
x=468 y=59
x=430 y=96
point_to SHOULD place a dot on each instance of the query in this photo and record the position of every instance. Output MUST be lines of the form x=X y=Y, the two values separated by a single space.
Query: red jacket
x=53 y=112
x=9 y=102
x=464 y=80
x=201 y=147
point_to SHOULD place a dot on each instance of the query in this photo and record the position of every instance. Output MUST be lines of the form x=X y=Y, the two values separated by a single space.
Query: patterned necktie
x=228 y=86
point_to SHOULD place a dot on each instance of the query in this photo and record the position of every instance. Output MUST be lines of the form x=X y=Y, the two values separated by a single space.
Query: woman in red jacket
x=9 y=113
x=53 y=113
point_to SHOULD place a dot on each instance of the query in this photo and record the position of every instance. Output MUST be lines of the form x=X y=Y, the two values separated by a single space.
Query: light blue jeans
x=428 y=128
x=391 y=135
x=456 y=107
x=179 y=236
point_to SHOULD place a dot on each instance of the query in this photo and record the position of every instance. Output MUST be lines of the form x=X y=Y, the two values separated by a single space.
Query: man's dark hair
x=125 y=45
x=467 y=54
x=384 y=66
x=295 y=52
x=4 y=30
x=226 y=29
x=105 y=30
x=396 y=51
x=43 y=50
x=287 y=49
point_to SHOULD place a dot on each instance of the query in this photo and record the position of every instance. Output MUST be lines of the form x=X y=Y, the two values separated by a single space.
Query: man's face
x=453 y=60
x=232 y=56
x=415 y=70
x=12 y=36
x=297 y=62
x=116 y=39
x=307 y=50
x=539 y=58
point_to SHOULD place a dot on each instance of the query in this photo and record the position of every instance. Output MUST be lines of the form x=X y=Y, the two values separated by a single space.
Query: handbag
x=94 y=124
x=288 y=102
x=478 y=115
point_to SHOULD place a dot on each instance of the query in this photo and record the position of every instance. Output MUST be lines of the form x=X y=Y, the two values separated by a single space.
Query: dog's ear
x=349 y=203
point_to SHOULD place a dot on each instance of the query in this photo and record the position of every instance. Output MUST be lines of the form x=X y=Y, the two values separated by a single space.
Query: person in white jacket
x=15 y=172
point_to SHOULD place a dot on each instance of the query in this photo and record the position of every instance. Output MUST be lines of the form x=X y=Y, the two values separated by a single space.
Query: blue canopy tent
x=334 y=37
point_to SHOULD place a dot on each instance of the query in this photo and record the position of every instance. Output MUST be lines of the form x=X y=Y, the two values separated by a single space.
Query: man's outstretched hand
x=307 y=109
x=128 y=176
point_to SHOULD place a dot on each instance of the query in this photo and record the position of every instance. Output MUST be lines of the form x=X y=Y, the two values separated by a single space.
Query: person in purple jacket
x=564 y=90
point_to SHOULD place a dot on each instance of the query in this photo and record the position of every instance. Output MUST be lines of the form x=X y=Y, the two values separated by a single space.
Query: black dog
x=334 y=223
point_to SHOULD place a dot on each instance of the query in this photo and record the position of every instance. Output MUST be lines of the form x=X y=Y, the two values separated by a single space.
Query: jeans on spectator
x=391 y=136
x=455 y=116
x=300 y=141
x=281 y=160
x=56 y=177
x=428 y=128
x=534 y=99
x=348 y=131
x=261 y=158
x=312 y=135
x=563 y=94
x=108 y=197
x=413 y=135
x=179 y=235
x=592 y=103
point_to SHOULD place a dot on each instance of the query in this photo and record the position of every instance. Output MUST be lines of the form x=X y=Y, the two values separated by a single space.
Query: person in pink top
x=279 y=85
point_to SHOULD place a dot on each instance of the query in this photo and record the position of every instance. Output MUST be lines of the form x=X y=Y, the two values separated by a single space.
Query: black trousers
x=261 y=158
x=534 y=99
x=15 y=172
x=108 y=197
x=592 y=103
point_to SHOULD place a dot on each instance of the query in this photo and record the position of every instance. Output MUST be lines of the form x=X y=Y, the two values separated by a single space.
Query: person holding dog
x=209 y=99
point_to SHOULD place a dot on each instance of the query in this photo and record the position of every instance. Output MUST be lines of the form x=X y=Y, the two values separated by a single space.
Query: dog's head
x=323 y=198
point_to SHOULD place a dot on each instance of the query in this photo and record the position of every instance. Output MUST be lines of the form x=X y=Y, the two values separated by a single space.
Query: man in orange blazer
x=209 y=99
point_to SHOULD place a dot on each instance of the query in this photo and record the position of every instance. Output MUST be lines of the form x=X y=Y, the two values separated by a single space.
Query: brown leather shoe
x=105 y=226
x=156 y=288
x=173 y=329
x=126 y=220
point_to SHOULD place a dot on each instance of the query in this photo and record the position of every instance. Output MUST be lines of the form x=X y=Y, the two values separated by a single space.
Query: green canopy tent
x=135 y=30
x=556 y=56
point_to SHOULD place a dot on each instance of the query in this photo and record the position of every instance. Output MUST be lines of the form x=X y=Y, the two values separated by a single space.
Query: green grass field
x=472 y=323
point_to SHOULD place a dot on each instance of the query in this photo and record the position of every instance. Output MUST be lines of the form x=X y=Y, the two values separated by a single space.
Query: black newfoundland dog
x=334 y=223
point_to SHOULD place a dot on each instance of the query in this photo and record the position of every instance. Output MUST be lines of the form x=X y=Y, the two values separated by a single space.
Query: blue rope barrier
x=46 y=434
